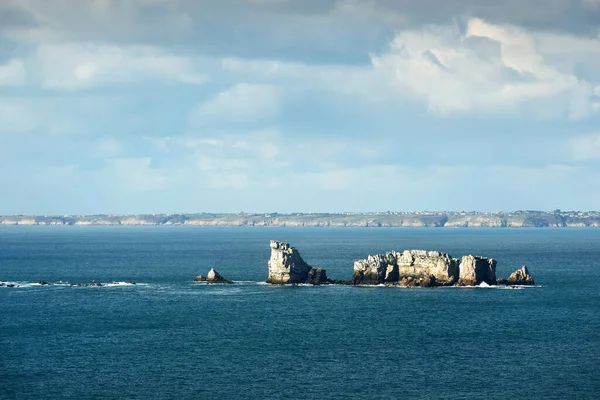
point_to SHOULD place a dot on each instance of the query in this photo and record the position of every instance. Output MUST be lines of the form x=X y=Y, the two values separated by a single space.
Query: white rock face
x=419 y=263
x=212 y=275
x=477 y=269
x=286 y=265
x=395 y=266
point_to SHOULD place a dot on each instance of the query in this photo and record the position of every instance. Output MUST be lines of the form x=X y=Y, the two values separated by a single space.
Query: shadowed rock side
x=477 y=269
x=409 y=268
x=286 y=266
x=212 y=277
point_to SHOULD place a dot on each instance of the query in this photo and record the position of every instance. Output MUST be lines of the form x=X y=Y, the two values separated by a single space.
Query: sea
x=167 y=337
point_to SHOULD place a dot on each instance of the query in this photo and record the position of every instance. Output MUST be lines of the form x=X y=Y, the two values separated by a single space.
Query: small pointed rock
x=520 y=277
x=214 y=277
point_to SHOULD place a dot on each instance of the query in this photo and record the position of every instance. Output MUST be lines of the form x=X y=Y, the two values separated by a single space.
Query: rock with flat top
x=407 y=268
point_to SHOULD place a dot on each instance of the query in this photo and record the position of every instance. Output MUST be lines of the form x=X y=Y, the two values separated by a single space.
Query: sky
x=161 y=106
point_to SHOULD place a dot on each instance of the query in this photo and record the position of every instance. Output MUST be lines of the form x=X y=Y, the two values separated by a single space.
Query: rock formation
x=212 y=277
x=317 y=276
x=287 y=266
x=477 y=269
x=410 y=268
x=407 y=268
x=520 y=277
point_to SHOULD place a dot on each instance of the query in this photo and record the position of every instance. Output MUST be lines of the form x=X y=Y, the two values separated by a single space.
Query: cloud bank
x=159 y=106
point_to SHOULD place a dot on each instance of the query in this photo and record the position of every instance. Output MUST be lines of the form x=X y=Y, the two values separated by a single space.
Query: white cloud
x=495 y=68
x=586 y=148
x=137 y=174
x=80 y=66
x=12 y=73
x=241 y=103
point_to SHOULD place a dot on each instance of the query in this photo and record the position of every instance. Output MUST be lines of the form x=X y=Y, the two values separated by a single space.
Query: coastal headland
x=438 y=219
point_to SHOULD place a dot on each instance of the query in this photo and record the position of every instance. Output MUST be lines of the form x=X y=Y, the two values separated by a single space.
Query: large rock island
x=406 y=268
x=424 y=268
x=411 y=267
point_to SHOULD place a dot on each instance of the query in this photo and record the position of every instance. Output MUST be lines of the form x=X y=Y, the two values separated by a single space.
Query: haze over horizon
x=159 y=106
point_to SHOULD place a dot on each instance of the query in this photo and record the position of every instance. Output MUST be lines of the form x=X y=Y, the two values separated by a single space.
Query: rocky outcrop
x=287 y=266
x=520 y=277
x=212 y=277
x=409 y=268
x=477 y=269
x=317 y=276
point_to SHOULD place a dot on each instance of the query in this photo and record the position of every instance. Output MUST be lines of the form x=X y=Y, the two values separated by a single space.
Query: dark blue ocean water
x=169 y=338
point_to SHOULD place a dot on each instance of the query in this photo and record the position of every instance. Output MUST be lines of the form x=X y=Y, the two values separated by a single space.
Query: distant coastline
x=445 y=219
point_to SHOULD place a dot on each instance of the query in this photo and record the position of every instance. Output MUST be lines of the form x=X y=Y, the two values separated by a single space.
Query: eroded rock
x=317 y=276
x=477 y=269
x=520 y=277
x=286 y=266
x=409 y=268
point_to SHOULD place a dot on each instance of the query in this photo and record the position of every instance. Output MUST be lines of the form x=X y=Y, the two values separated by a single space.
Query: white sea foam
x=25 y=285
x=119 y=284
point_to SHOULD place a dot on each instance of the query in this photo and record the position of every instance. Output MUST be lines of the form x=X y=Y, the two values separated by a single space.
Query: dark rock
x=317 y=276
x=44 y=283
x=212 y=277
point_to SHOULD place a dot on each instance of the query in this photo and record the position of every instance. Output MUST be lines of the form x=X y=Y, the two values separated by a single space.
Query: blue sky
x=141 y=106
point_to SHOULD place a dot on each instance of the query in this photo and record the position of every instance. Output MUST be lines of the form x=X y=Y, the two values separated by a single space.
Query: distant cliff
x=514 y=219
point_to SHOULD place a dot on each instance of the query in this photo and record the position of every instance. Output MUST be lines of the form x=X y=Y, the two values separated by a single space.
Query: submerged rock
x=93 y=284
x=477 y=269
x=200 y=278
x=287 y=266
x=520 y=277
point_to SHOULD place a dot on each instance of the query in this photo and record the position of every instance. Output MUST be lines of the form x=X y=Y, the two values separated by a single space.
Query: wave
x=119 y=284
x=25 y=284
